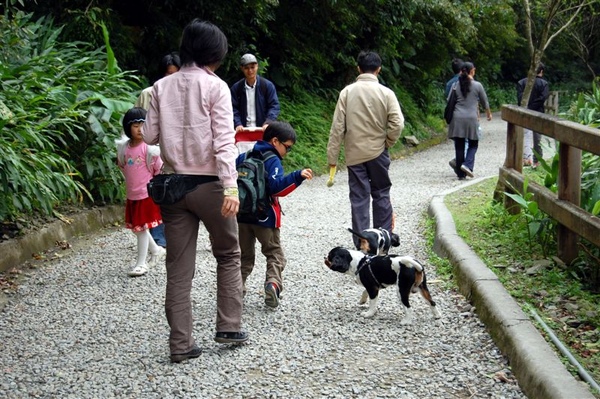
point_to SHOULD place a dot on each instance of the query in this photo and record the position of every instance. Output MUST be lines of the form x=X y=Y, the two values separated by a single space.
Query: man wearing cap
x=254 y=98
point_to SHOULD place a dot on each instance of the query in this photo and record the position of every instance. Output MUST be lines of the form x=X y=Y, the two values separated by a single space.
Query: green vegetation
x=503 y=241
x=61 y=108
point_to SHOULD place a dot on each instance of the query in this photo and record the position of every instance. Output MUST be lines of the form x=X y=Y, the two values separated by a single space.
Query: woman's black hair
x=202 y=43
x=280 y=129
x=136 y=114
x=463 y=79
x=167 y=60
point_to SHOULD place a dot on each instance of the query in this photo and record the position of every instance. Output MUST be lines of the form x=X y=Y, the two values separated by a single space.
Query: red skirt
x=142 y=214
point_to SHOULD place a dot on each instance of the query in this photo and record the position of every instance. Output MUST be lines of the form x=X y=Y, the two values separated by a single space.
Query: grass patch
x=553 y=289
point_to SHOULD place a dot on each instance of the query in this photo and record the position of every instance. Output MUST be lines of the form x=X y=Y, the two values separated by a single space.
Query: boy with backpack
x=260 y=218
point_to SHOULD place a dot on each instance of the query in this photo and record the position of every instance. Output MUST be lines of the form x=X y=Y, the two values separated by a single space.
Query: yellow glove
x=332 y=170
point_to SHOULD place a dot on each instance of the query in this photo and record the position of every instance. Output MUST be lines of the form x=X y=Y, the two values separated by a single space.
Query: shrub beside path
x=79 y=327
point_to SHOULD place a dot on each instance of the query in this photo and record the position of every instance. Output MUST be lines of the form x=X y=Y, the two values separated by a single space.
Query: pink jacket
x=191 y=118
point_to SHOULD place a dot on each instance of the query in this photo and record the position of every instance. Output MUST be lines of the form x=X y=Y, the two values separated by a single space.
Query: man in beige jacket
x=368 y=121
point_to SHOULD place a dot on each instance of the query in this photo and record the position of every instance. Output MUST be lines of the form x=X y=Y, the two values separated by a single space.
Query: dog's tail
x=419 y=271
x=411 y=262
x=359 y=235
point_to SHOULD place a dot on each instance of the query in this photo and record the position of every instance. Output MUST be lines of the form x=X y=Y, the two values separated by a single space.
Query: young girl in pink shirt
x=139 y=162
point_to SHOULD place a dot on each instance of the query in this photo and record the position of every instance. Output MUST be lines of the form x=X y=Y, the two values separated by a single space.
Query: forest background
x=71 y=68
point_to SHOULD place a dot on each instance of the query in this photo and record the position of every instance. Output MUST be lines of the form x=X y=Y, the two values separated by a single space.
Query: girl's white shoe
x=138 y=271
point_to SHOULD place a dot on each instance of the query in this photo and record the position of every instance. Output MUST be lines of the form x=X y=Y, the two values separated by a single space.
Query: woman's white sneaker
x=155 y=258
x=467 y=171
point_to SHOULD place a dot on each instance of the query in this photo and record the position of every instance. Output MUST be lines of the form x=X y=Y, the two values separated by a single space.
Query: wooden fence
x=573 y=222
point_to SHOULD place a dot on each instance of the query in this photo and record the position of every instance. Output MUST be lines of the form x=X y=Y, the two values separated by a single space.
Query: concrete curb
x=15 y=252
x=538 y=369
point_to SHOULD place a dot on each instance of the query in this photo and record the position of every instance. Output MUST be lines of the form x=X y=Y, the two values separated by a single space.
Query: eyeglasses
x=288 y=148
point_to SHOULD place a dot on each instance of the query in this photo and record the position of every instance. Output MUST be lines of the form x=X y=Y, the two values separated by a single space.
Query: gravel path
x=80 y=328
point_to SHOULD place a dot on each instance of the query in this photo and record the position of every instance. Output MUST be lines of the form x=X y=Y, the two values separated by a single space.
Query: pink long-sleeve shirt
x=191 y=117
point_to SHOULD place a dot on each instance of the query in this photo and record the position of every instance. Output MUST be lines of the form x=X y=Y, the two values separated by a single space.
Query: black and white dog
x=376 y=241
x=378 y=272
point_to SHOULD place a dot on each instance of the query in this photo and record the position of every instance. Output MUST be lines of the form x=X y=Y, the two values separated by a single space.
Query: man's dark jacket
x=267 y=103
x=539 y=93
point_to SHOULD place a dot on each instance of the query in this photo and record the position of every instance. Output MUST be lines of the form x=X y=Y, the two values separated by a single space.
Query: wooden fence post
x=514 y=160
x=551 y=104
x=569 y=189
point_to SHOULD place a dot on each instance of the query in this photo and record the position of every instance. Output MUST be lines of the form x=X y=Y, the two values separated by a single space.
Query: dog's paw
x=368 y=314
x=363 y=298
x=408 y=317
x=436 y=313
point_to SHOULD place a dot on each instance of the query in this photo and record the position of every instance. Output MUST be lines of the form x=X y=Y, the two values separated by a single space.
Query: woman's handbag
x=167 y=189
x=450 y=105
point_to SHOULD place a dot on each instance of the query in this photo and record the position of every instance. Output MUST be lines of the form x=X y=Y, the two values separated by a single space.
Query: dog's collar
x=367 y=262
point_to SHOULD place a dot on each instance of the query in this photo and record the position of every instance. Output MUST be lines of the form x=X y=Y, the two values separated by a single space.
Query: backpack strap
x=152 y=151
x=264 y=156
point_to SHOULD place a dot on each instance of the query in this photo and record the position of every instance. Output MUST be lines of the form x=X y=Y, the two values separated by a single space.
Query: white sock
x=152 y=245
x=143 y=241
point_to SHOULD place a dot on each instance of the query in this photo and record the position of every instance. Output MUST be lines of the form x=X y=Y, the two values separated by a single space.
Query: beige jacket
x=367 y=120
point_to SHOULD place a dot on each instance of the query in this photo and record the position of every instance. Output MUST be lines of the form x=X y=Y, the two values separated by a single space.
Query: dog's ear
x=395 y=240
x=364 y=245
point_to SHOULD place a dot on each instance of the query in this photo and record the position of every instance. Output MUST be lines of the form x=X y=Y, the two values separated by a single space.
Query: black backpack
x=252 y=187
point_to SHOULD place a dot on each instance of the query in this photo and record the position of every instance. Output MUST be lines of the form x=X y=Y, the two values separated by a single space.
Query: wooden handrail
x=563 y=206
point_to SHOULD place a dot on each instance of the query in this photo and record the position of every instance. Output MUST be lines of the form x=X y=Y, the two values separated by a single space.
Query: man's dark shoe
x=231 y=337
x=452 y=164
x=179 y=357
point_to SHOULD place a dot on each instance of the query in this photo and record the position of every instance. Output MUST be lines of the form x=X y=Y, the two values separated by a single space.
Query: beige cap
x=248 y=59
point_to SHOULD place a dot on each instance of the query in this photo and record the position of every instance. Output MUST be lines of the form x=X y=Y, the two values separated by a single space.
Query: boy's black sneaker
x=179 y=357
x=271 y=295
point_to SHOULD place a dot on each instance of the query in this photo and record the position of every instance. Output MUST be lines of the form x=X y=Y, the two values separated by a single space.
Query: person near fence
x=464 y=127
x=368 y=121
x=539 y=94
x=254 y=98
x=278 y=138
x=169 y=64
x=139 y=162
x=191 y=117
x=456 y=65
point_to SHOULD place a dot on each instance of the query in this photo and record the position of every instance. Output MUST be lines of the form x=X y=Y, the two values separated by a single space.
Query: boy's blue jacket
x=278 y=184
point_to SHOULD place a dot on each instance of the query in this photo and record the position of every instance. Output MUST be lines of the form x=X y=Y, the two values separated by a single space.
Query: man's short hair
x=368 y=61
x=540 y=68
x=457 y=65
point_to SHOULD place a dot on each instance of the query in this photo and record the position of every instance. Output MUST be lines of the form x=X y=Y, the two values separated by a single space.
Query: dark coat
x=267 y=103
x=539 y=93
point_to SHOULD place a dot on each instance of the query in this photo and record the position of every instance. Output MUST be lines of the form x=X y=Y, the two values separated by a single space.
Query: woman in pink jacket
x=191 y=117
